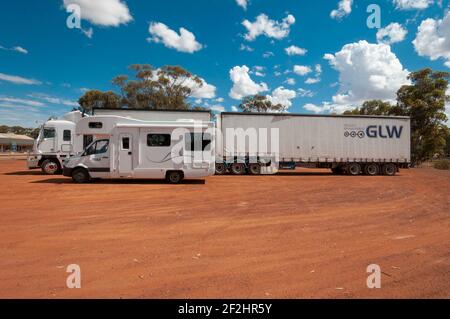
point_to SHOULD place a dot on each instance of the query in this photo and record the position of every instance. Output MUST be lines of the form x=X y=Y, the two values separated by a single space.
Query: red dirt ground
x=294 y=235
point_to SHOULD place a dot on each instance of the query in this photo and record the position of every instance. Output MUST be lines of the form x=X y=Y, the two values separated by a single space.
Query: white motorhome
x=57 y=139
x=130 y=148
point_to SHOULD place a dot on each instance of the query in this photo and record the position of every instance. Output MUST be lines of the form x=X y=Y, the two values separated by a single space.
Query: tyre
x=174 y=177
x=389 y=169
x=80 y=175
x=237 y=168
x=50 y=167
x=221 y=168
x=254 y=169
x=353 y=169
x=372 y=169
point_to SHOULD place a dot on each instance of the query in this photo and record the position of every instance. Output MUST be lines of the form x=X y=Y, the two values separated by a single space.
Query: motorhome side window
x=195 y=141
x=158 y=139
x=49 y=132
x=98 y=147
x=125 y=143
x=95 y=125
x=67 y=134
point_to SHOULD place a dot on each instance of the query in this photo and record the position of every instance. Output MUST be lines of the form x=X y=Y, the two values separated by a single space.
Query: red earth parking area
x=298 y=234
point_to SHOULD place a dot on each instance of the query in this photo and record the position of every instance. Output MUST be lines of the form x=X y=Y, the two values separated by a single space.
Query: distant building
x=10 y=142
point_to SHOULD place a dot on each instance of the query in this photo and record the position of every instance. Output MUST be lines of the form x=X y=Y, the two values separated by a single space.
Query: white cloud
x=312 y=80
x=392 y=33
x=318 y=73
x=18 y=79
x=412 y=4
x=217 y=108
x=295 y=50
x=290 y=81
x=11 y=101
x=302 y=69
x=219 y=100
x=20 y=50
x=88 y=32
x=268 y=54
x=183 y=42
x=242 y=3
x=234 y=108
x=313 y=108
x=243 y=85
x=16 y=49
x=343 y=10
x=367 y=71
x=305 y=93
x=282 y=96
x=268 y=27
x=53 y=99
x=206 y=91
x=245 y=47
x=433 y=39
x=259 y=70
x=103 y=12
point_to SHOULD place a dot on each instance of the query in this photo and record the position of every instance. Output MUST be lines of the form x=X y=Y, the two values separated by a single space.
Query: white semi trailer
x=262 y=143
x=57 y=139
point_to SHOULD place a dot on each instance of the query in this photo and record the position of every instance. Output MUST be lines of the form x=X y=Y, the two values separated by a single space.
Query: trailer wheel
x=221 y=168
x=80 y=175
x=254 y=169
x=237 y=168
x=372 y=169
x=389 y=169
x=50 y=167
x=353 y=169
x=174 y=177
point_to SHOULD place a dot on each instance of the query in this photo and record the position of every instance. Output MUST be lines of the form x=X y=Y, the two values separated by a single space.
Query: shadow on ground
x=24 y=173
x=118 y=181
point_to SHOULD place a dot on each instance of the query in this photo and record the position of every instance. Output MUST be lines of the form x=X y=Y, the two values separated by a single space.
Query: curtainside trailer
x=263 y=143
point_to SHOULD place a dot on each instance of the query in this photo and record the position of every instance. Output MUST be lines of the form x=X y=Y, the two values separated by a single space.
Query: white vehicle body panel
x=131 y=154
x=309 y=138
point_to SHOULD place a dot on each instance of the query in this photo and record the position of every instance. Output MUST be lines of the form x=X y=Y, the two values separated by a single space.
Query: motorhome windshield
x=97 y=147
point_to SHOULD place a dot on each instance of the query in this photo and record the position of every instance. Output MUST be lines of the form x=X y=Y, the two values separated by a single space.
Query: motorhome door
x=126 y=154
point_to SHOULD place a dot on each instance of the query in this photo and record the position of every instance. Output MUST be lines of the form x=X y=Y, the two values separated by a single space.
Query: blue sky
x=46 y=66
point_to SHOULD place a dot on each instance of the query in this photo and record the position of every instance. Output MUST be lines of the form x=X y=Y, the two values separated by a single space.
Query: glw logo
x=387 y=131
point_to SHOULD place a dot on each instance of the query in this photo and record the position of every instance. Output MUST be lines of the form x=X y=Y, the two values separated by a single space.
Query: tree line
x=167 y=88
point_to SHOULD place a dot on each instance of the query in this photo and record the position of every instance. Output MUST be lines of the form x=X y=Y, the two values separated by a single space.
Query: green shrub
x=442 y=164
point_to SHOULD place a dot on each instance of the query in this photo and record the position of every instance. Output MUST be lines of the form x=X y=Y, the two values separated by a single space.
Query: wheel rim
x=237 y=168
x=51 y=168
x=255 y=169
x=372 y=170
x=354 y=170
x=390 y=170
x=79 y=176
x=220 y=168
x=174 y=178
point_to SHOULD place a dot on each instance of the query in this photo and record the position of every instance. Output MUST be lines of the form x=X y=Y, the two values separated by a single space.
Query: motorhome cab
x=130 y=148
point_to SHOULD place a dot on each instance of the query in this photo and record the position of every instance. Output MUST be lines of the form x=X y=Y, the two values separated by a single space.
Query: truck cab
x=56 y=141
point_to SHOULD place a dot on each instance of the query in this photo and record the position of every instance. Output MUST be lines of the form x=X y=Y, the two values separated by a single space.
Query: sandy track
x=295 y=235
